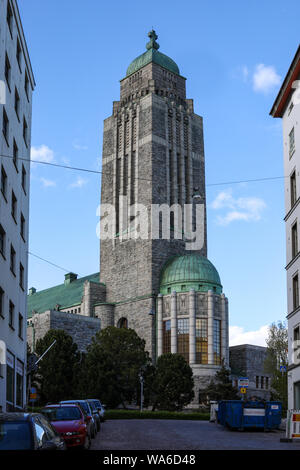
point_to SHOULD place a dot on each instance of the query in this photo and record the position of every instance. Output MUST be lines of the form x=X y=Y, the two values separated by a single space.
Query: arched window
x=123 y=323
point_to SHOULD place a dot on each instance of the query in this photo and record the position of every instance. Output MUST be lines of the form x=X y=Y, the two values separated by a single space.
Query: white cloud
x=238 y=335
x=42 y=154
x=78 y=146
x=265 y=78
x=47 y=183
x=243 y=208
x=78 y=183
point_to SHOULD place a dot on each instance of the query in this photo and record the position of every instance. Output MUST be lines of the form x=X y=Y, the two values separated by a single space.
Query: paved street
x=183 y=435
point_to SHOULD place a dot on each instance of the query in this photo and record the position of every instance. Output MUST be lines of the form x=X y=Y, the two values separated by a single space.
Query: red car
x=70 y=422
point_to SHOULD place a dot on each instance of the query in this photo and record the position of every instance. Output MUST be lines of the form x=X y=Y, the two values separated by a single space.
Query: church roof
x=65 y=295
x=152 y=55
x=192 y=271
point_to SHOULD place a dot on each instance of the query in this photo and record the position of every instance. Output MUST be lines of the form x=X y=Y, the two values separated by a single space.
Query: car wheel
x=87 y=443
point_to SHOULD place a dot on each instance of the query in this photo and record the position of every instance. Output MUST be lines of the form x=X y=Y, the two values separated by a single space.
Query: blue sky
x=234 y=55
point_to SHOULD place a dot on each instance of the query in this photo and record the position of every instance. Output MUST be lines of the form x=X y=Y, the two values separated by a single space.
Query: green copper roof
x=152 y=55
x=186 y=272
x=66 y=295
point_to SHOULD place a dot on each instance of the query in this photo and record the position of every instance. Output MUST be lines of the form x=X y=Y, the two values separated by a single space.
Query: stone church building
x=164 y=289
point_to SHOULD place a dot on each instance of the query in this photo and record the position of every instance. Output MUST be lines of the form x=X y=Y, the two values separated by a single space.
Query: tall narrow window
x=267 y=383
x=294 y=240
x=217 y=342
x=262 y=382
x=257 y=382
x=14 y=206
x=3 y=182
x=5 y=126
x=17 y=103
x=201 y=341
x=24 y=182
x=11 y=314
x=20 y=326
x=1 y=302
x=9 y=18
x=183 y=337
x=293 y=189
x=25 y=131
x=291 y=142
x=7 y=71
x=295 y=292
x=21 y=280
x=26 y=85
x=19 y=53
x=15 y=155
x=22 y=226
x=2 y=241
x=167 y=336
x=12 y=260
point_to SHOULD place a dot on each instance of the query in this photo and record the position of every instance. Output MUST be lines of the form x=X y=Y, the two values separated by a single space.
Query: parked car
x=28 y=431
x=84 y=405
x=101 y=409
x=96 y=413
x=69 y=421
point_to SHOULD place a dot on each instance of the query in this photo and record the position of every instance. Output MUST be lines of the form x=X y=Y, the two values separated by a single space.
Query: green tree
x=277 y=356
x=220 y=387
x=57 y=371
x=172 y=386
x=111 y=367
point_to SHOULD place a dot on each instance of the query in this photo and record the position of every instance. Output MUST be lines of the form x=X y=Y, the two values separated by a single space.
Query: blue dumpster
x=238 y=414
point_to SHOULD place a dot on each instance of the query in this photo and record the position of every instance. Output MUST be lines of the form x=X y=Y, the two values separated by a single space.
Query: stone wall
x=80 y=327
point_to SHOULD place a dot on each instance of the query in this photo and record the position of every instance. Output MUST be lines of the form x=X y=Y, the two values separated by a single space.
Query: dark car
x=28 y=431
x=69 y=422
x=101 y=409
x=84 y=405
x=96 y=413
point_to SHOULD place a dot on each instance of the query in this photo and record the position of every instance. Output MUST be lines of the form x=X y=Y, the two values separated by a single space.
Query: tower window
x=167 y=336
x=201 y=341
x=183 y=338
x=123 y=323
x=217 y=342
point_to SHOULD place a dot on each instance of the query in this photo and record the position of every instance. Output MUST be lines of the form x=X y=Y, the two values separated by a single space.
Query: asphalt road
x=153 y=434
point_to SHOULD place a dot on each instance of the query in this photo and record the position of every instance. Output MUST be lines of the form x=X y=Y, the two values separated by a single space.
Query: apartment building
x=287 y=107
x=17 y=85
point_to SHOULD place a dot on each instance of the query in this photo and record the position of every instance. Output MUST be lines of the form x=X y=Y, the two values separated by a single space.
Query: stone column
x=210 y=326
x=174 y=323
x=159 y=325
x=227 y=331
x=192 y=330
x=223 y=329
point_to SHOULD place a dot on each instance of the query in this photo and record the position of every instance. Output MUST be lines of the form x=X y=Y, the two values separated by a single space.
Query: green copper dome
x=152 y=55
x=183 y=273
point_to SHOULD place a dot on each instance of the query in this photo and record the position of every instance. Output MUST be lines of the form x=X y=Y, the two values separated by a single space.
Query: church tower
x=153 y=155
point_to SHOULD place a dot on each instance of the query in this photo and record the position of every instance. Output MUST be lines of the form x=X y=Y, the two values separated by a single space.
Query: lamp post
x=142 y=389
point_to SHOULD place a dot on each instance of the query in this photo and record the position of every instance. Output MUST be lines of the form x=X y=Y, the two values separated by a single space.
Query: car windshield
x=64 y=413
x=15 y=435
x=97 y=403
x=92 y=405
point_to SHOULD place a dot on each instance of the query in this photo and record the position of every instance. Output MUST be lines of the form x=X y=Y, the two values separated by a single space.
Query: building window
x=5 y=126
x=3 y=182
x=1 y=302
x=291 y=142
x=295 y=292
x=21 y=276
x=167 y=336
x=7 y=71
x=25 y=131
x=20 y=326
x=10 y=378
x=257 y=382
x=26 y=85
x=262 y=382
x=15 y=155
x=12 y=260
x=293 y=188
x=183 y=338
x=14 y=206
x=19 y=383
x=24 y=179
x=17 y=103
x=201 y=341
x=22 y=226
x=296 y=345
x=19 y=53
x=267 y=383
x=123 y=323
x=2 y=241
x=9 y=18
x=217 y=342
x=11 y=314
x=294 y=240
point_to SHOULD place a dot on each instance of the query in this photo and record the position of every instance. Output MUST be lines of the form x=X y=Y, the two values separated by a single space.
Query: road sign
x=243 y=390
x=243 y=382
x=33 y=394
x=282 y=368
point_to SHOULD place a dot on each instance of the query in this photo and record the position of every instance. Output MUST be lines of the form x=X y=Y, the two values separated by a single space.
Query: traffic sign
x=282 y=368
x=243 y=382
x=243 y=390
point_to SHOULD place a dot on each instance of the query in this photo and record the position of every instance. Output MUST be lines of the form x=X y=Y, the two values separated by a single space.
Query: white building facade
x=287 y=107
x=17 y=84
